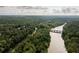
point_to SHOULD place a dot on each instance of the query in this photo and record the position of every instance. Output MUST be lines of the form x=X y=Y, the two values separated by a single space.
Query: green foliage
x=37 y=43
x=23 y=34
x=71 y=36
x=12 y=35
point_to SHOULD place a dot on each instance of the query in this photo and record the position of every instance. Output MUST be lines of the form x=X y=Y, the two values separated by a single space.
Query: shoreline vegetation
x=71 y=36
x=30 y=34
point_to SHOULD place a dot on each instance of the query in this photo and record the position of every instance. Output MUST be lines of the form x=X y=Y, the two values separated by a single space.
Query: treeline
x=71 y=36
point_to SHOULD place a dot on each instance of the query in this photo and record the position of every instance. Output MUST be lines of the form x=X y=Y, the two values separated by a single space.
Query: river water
x=57 y=43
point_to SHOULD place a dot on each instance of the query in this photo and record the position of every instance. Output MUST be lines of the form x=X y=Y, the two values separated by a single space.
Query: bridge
x=56 y=31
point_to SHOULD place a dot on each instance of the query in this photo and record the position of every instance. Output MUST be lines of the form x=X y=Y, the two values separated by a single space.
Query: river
x=57 y=43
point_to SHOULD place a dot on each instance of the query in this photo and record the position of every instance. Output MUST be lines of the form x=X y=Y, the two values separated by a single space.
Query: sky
x=38 y=10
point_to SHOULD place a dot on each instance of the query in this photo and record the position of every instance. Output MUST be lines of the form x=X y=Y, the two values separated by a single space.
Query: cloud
x=38 y=10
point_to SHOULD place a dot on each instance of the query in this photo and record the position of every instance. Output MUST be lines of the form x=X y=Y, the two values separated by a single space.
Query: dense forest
x=71 y=36
x=20 y=34
x=30 y=34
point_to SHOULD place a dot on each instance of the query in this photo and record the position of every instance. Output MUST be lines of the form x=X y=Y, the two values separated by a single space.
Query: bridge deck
x=56 y=31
